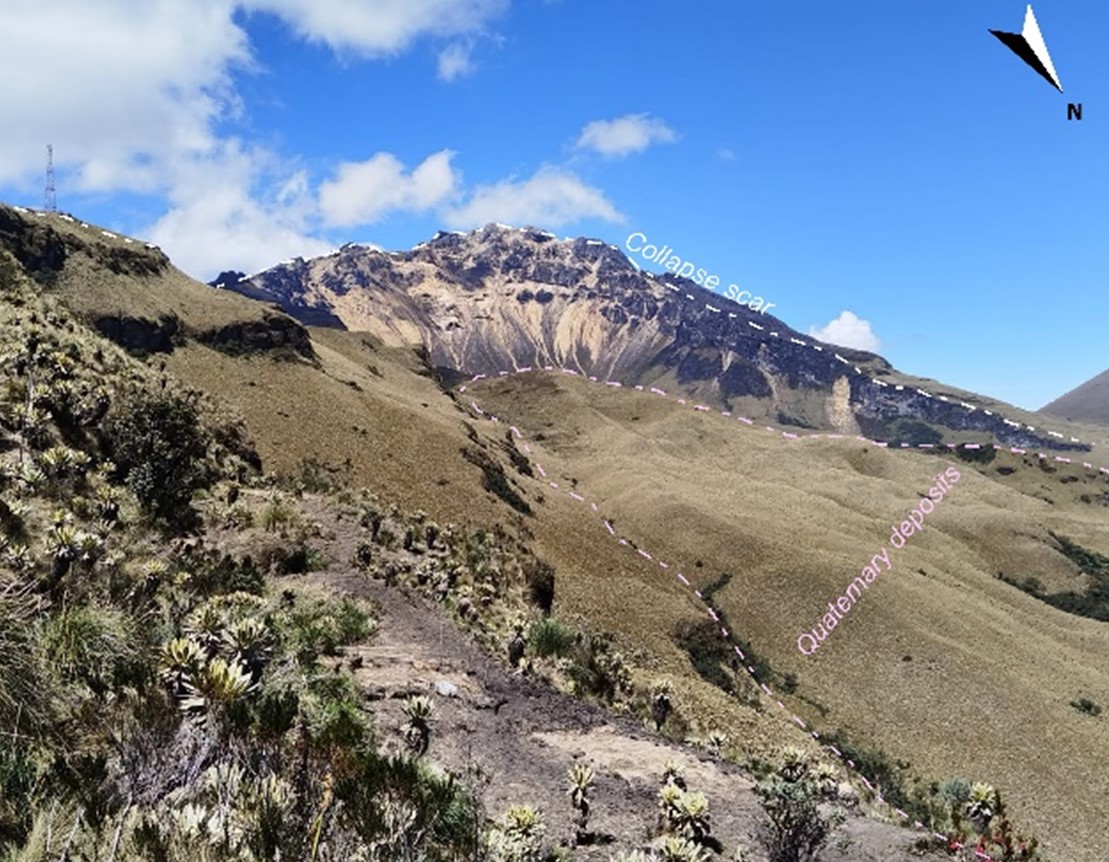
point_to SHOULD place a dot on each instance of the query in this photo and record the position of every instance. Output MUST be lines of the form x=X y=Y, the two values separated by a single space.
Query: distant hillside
x=500 y=298
x=1088 y=402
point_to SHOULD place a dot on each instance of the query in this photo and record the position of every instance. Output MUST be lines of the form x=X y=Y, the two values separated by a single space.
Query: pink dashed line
x=594 y=505
x=644 y=554
x=701 y=407
x=745 y=420
x=515 y=431
x=1061 y=459
x=542 y=472
x=683 y=579
x=577 y=497
x=608 y=527
x=477 y=409
x=527 y=448
x=656 y=390
x=798 y=722
x=554 y=484
x=461 y=388
x=664 y=565
x=789 y=436
x=766 y=688
x=681 y=401
x=1017 y=451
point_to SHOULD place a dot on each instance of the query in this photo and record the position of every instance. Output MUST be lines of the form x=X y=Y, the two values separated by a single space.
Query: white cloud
x=118 y=86
x=365 y=191
x=375 y=28
x=552 y=197
x=221 y=217
x=631 y=133
x=454 y=61
x=725 y=154
x=848 y=330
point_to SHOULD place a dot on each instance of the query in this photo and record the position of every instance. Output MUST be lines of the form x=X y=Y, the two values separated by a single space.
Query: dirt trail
x=522 y=736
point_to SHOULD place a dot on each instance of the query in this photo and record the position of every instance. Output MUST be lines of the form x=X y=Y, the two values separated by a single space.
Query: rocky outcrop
x=277 y=335
x=142 y=336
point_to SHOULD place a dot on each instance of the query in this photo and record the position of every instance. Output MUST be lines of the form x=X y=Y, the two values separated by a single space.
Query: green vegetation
x=714 y=657
x=1093 y=602
x=879 y=769
x=159 y=447
x=494 y=479
x=914 y=432
x=982 y=455
x=156 y=701
x=797 y=827
x=548 y=637
x=1086 y=706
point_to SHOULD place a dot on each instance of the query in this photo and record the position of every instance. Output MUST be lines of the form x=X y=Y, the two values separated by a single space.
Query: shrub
x=23 y=692
x=1087 y=706
x=541 y=584
x=323 y=627
x=517 y=836
x=548 y=637
x=797 y=830
x=92 y=646
x=419 y=710
x=276 y=515
x=159 y=447
x=581 y=785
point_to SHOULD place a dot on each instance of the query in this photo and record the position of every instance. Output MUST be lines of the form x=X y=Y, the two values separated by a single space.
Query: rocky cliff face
x=501 y=298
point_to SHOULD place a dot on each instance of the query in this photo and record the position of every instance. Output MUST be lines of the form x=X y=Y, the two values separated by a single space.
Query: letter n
x=1074 y=112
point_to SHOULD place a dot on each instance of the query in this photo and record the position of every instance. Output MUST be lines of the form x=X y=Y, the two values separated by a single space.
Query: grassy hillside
x=943 y=664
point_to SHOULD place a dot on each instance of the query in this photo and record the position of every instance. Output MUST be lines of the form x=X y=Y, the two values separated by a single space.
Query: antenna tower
x=51 y=193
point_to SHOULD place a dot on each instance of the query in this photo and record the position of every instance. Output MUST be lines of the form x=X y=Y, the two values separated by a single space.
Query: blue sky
x=890 y=160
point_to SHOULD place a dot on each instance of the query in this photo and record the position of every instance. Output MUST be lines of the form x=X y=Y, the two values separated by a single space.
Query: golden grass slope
x=942 y=664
